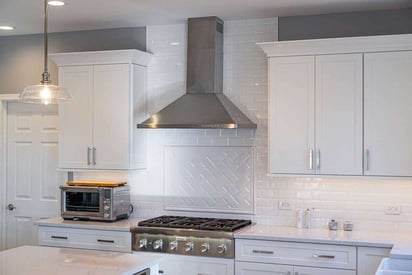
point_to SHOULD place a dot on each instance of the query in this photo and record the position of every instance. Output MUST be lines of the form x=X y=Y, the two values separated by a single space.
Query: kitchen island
x=38 y=260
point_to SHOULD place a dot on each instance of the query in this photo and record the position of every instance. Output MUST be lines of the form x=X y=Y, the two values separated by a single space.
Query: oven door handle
x=80 y=188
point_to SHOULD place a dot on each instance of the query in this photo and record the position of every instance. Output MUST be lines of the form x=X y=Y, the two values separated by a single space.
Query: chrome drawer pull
x=262 y=252
x=59 y=237
x=94 y=155
x=105 y=241
x=323 y=256
x=310 y=159
x=88 y=155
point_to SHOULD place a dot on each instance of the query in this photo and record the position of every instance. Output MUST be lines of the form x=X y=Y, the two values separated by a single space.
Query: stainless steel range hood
x=204 y=105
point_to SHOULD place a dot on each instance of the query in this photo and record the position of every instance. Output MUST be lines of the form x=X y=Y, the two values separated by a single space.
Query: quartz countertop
x=39 y=260
x=401 y=244
x=120 y=225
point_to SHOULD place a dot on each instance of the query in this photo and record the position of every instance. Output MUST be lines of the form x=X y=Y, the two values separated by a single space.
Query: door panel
x=245 y=268
x=339 y=106
x=303 y=270
x=388 y=112
x=291 y=114
x=111 y=85
x=75 y=118
x=32 y=179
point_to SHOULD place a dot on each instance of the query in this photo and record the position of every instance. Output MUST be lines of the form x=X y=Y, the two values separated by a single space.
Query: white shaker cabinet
x=369 y=259
x=98 y=128
x=265 y=257
x=315 y=117
x=291 y=114
x=388 y=113
x=250 y=268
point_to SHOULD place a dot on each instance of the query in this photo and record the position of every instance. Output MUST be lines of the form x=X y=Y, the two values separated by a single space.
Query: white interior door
x=32 y=180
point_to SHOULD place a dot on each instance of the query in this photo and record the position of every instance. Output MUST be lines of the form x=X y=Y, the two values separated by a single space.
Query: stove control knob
x=173 y=245
x=158 y=244
x=221 y=248
x=189 y=246
x=142 y=243
x=204 y=247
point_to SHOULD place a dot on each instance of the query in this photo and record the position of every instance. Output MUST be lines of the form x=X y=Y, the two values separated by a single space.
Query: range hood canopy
x=204 y=105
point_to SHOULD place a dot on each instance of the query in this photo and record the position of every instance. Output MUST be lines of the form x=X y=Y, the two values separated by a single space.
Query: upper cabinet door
x=388 y=113
x=112 y=116
x=75 y=118
x=339 y=114
x=291 y=114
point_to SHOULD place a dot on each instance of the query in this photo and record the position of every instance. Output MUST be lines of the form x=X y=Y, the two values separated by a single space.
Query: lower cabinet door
x=369 y=259
x=193 y=265
x=302 y=270
x=244 y=268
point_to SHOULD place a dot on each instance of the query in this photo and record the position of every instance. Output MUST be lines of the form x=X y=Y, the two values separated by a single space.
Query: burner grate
x=225 y=224
x=162 y=221
x=228 y=225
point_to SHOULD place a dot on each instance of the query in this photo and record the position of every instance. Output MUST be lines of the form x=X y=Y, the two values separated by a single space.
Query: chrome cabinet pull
x=367 y=159
x=88 y=155
x=310 y=159
x=262 y=252
x=59 y=237
x=105 y=241
x=94 y=155
x=323 y=256
x=318 y=160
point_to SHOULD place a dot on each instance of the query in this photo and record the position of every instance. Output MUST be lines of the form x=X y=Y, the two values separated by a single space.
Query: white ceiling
x=26 y=15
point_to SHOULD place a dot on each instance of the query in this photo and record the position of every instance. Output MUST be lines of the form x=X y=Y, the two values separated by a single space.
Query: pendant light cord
x=46 y=74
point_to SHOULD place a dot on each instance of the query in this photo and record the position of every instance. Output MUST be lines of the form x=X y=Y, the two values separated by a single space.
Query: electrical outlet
x=393 y=209
x=285 y=205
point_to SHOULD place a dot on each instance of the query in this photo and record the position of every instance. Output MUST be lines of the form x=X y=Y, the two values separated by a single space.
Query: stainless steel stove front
x=184 y=242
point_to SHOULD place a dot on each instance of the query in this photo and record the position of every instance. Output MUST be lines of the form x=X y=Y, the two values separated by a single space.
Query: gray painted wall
x=345 y=24
x=21 y=57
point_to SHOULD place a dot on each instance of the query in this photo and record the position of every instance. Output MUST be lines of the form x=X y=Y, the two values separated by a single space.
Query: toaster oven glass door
x=84 y=201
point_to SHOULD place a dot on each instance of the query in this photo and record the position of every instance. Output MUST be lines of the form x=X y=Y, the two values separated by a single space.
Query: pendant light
x=45 y=93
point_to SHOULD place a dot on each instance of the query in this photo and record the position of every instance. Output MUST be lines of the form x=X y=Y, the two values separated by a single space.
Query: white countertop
x=121 y=225
x=401 y=244
x=39 y=260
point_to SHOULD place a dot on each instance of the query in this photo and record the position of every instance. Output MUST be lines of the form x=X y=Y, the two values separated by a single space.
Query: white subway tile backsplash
x=245 y=82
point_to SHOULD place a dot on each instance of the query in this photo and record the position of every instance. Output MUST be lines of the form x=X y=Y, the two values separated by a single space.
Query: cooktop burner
x=228 y=225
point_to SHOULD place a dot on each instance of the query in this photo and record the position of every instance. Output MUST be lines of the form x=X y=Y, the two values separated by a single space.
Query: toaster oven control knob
x=221 y=248
x=173 y=245
x=142 y=243
x=158 y=244
x=106 y=207
x=189 y=246
x=204 y=247
x=106 y=215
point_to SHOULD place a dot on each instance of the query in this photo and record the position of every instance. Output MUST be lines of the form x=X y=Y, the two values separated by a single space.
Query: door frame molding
x=4 y=100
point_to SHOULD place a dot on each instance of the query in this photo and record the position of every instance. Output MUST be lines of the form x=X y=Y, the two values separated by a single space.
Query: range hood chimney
x=204 y=105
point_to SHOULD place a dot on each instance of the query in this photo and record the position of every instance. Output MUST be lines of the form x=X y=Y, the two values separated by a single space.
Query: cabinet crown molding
x=130 y=56
x=360 y=44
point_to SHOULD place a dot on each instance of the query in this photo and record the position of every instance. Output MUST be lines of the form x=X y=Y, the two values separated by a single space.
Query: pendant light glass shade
x=45 y=93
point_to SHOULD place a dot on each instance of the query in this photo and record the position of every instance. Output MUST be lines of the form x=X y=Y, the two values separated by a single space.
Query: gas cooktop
x=227 y=225
x=187 y=236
